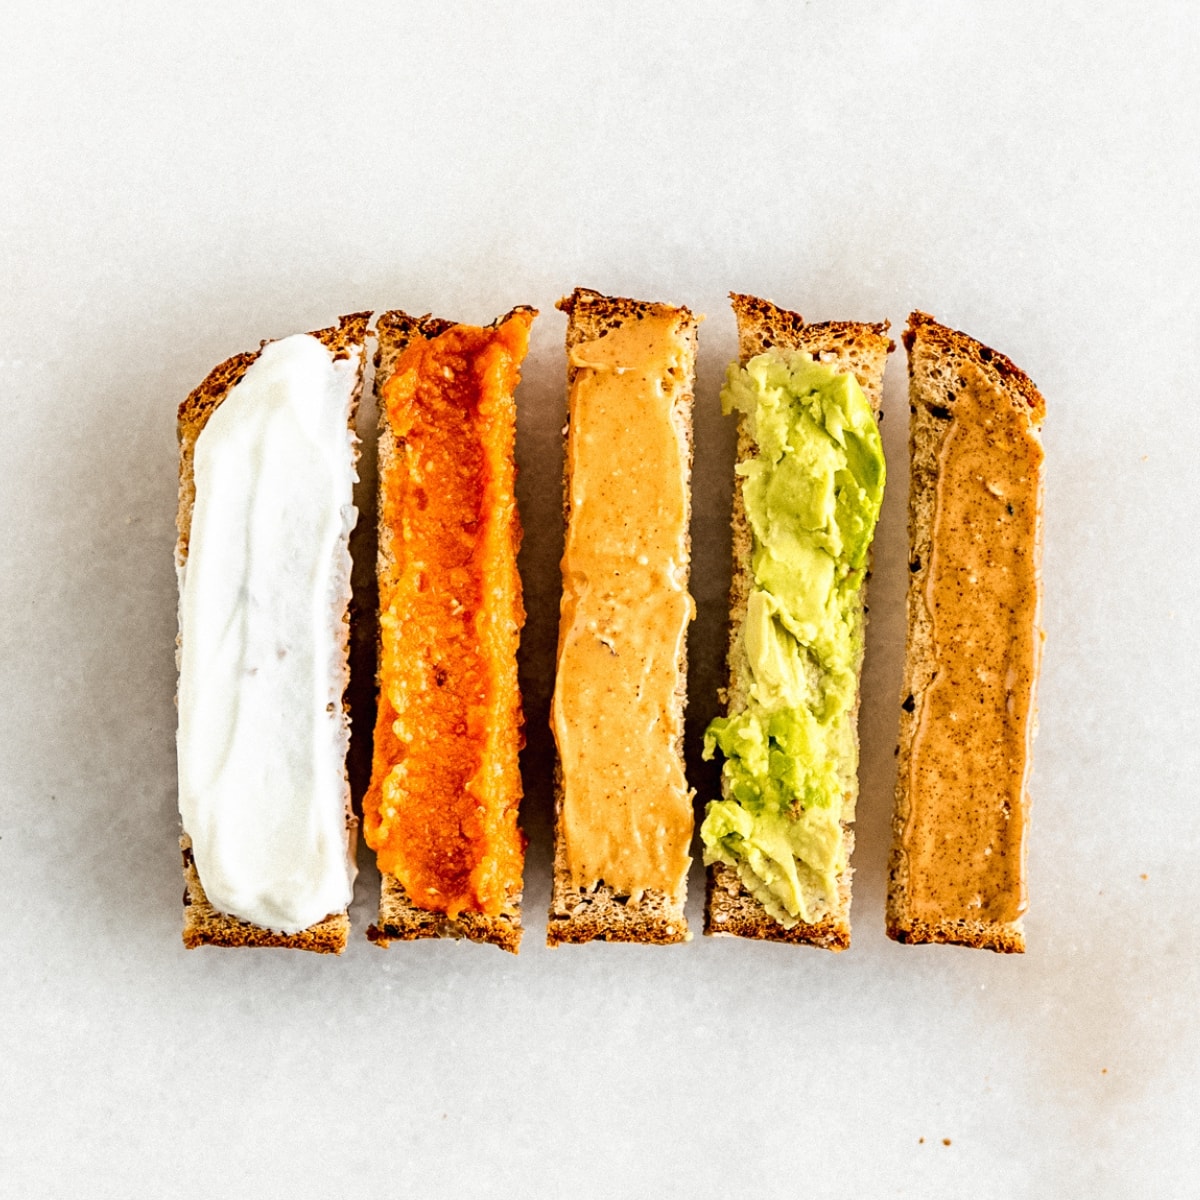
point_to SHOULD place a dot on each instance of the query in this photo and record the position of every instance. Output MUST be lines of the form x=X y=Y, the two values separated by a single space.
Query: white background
x=178 y=182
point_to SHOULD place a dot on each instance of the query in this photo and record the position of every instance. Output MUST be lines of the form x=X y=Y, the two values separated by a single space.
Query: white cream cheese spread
x=262 y=735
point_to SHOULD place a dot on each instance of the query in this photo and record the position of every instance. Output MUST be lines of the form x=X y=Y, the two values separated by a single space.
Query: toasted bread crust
x=730 y=909
x=399 y=919
x=579 y=915
x=955 y=347
x=203 y=924
x=937 y=356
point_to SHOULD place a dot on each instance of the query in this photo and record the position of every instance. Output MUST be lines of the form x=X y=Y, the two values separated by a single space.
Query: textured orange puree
x=441 y=811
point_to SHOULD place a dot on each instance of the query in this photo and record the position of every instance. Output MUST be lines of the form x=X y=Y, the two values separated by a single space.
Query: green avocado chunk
x=812 y=494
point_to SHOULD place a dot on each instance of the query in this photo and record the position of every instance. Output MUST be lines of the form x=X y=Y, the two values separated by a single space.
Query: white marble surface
x=178 y=182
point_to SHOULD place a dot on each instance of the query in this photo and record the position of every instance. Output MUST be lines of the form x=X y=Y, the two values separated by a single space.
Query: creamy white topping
x=262 y=736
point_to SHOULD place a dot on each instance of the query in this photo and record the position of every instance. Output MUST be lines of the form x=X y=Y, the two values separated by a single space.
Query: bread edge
x=203 y=924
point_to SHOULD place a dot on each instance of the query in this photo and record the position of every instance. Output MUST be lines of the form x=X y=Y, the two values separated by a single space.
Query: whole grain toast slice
x=600 y=913
x=730 y=909
x=203 y=924
x=400 y=919
x=938 y=358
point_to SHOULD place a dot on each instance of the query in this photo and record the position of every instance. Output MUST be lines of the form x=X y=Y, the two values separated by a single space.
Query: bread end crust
x=400 y=920
x=592 y=314
x=956 y=346
x=731 y=911
x=203 y=925
x=600 y=914
x=859 y=346
x=976 y=935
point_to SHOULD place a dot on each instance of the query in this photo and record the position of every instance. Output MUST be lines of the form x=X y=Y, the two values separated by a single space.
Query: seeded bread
x=937 y=357
x=399 y=918
x=847 y=346
x=203 y=924
x=599 y=913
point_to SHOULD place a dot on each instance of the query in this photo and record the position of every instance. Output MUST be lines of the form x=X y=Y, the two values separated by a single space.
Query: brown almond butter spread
x=965 y=833
x=627 y=812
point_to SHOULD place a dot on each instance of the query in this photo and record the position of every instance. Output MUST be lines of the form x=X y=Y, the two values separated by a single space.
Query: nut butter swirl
x=965 y=833
x=627 y=811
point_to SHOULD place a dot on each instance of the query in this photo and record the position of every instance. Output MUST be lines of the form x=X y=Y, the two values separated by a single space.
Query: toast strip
x=861 y=349
x=203 y=923
x=623 y=810
x=968 y=712
x=441 y=811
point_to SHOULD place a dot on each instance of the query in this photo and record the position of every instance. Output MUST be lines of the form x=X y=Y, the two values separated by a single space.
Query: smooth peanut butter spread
x=441 y=811
x=627 y=811
x=965 y=833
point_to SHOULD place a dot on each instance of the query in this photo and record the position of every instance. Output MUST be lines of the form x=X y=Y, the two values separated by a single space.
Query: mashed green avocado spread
x=812 y=494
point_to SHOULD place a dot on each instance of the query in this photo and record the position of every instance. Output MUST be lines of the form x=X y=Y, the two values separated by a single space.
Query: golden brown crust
x=399 y=919
x=937 y=357
x=849 y=345
x=601 y=914
x=203 y=924
x=592 y=314
x=956 y=347
x=974 y=935
x=579 y=915
x=729 y=907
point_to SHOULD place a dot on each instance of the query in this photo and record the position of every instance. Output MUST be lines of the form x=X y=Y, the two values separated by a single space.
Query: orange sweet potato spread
x=441 y=811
